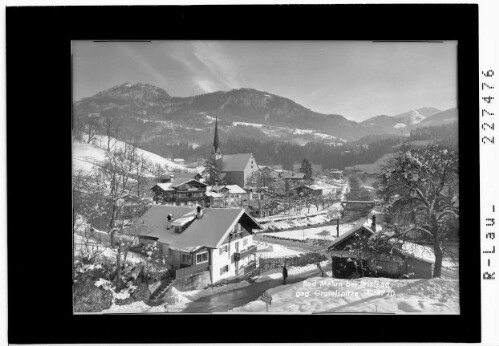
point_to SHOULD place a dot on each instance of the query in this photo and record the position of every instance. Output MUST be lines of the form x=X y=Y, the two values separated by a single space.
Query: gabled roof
x=182 y=181
x=357 y=228
x=233 y=189
x=164 y=186
x=235 y=162
x=208 y=231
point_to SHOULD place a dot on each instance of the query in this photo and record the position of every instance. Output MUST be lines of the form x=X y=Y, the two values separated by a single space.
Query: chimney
x=373 y=223
x=199 y=212
x=172 y=178
x=169 y=220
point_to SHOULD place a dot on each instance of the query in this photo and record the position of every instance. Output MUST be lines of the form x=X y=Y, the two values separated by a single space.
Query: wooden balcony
x=191 y=270
x=245 y=253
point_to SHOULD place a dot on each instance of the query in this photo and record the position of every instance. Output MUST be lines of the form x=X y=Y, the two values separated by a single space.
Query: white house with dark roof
x=237 y=168
x=193 y=240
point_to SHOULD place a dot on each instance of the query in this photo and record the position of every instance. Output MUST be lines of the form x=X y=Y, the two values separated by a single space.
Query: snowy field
x=315 y=295
x=85 y=155
x=313 y=232
x=266 y=250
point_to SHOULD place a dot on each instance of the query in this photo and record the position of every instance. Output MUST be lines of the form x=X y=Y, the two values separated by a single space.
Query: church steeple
x=216 y=143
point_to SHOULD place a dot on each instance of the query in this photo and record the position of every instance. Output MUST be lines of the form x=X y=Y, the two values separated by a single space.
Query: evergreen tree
x=211 y=171
x=306 y=168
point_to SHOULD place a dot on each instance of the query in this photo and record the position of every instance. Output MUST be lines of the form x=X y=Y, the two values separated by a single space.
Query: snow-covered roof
x=164 y=186
x=208 y=231
x=213 y=194
x=232 y=189
x=357 y=228
x=182 y=181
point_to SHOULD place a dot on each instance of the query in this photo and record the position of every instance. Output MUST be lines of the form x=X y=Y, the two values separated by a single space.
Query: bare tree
x=142 y=166
x=78 y=128
x=109 y=130
x=158 y=171
x=117 y=177
x=90 y=127
x=78 y=194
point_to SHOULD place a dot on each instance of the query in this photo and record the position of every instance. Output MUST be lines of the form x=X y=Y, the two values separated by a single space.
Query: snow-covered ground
x=369 y=295
x=293 y=272
x=312 y=233
x=86 y=155
x=175 y=300
x=282 y=222
x=266 y=250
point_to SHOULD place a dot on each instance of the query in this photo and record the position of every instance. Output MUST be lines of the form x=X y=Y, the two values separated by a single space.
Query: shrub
x=89 y=298
x=141 y=292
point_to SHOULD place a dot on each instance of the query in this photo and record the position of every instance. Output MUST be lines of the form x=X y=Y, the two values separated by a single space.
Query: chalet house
x=268 y=208
x=237 y=168
x=181 y=191
x=227 y=195
x=403 y=262
x=213 y=241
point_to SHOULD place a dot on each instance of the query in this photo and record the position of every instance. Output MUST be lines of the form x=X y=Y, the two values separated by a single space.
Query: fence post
x=332 y=266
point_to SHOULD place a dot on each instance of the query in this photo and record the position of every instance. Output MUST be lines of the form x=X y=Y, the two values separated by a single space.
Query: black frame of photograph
x=39 y=103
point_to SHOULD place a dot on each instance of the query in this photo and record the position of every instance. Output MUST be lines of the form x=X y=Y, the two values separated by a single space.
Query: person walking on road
x=284 y=274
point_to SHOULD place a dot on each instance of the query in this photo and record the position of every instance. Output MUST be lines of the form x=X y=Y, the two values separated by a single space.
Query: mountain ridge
x=150 y=111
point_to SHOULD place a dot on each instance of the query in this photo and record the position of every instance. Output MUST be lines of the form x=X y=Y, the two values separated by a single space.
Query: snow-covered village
x=228 y=199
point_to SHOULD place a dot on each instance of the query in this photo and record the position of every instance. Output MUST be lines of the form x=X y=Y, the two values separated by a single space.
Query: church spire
x=216 y=144
x=217 y=153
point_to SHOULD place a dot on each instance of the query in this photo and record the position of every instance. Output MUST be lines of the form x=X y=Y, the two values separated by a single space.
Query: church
x=234 y=169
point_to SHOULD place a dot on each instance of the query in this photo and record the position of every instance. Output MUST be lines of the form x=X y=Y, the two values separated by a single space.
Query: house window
x=224 y=269
x=186 y=258
x=202 y=257
x=245 y=242
x=223 y=250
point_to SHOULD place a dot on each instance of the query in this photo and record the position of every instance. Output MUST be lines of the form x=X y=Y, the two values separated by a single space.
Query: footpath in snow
x=368 y=295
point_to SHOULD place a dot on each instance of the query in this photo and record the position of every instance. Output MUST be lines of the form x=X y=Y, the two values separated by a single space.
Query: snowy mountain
x=414 y=117
x=442 y=118
x=155 y=118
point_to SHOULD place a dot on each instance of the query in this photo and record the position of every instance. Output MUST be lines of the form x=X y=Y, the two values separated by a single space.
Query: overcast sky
x=355 y=79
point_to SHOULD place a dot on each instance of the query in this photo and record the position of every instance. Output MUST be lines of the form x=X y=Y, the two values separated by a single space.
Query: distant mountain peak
x=415 y=116
x=145 y=91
